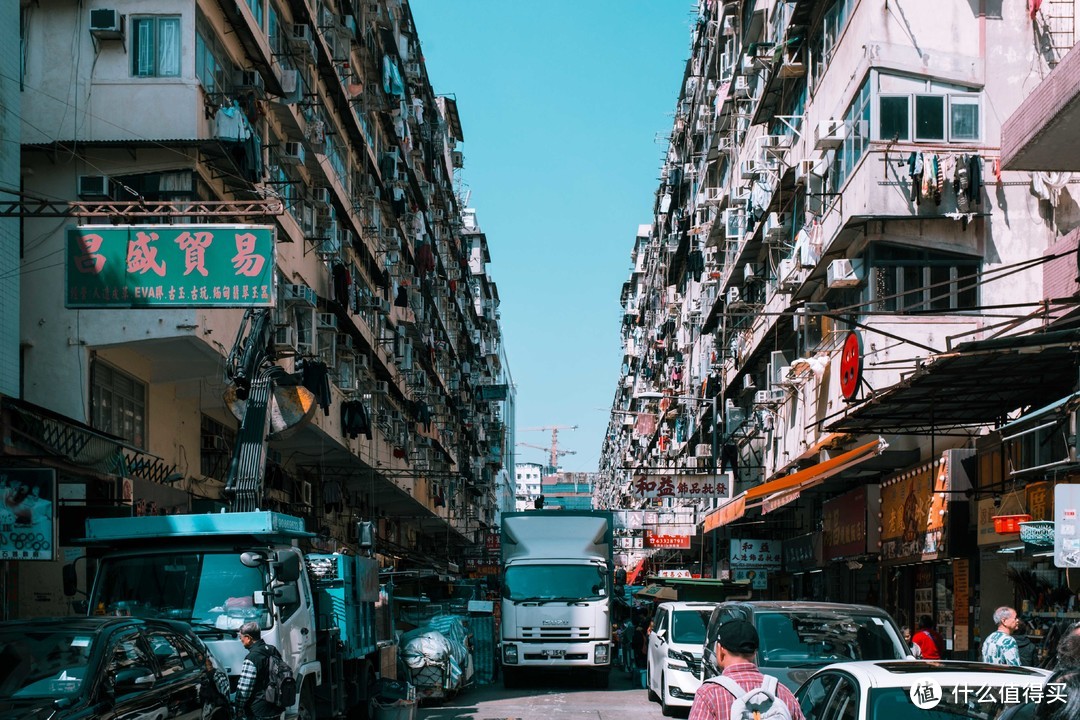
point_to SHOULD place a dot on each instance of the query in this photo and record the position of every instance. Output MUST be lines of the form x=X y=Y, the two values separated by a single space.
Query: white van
x=674 y=656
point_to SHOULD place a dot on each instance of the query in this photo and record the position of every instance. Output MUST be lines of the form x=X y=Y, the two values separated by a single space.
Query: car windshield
x=896 y=704
x=37 y=663
x=688 y=626
x=808 y=638
x=554 y=583
x=201 y=588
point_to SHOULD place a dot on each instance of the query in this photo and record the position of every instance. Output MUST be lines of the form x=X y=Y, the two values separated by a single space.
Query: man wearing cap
x=736 y=646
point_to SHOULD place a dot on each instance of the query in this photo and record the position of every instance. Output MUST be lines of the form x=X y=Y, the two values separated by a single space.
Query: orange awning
x=727 y=513
x=816 y=474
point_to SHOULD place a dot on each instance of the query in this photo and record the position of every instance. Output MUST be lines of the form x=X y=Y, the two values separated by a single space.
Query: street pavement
x=546 y=697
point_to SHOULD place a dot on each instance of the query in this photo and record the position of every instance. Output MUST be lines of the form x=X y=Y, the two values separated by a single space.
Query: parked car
x=674 y=655
x=943 y=690
x=796 y=638
x=108 y=667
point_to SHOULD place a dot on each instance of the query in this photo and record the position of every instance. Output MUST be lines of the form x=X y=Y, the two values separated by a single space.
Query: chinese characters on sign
x=756 y=553
x=129 y=266
x=27 y=514
x=682 y=485
x=678 y=542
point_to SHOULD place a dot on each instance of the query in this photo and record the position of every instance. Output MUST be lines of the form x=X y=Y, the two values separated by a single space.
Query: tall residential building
x=839 y=305
x=10 y=132
x=314 y=124
x=528 y=481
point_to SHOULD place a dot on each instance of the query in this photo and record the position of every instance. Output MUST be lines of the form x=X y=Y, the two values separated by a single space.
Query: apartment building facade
x=840 y=293
x=316 y=121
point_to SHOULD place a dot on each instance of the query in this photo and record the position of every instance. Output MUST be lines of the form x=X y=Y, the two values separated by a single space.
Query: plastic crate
x=1037 y=532
x=1009 y=524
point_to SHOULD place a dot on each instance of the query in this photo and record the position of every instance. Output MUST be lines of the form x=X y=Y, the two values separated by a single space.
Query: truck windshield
x=554 y=582
x=210 y=589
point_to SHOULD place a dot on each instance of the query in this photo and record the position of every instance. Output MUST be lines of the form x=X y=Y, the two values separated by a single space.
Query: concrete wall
x=10 y=99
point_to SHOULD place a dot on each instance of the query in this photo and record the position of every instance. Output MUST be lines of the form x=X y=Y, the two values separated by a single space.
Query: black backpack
x=280 y=682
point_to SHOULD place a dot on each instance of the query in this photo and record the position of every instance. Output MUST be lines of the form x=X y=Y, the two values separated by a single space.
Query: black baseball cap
x=739 y=637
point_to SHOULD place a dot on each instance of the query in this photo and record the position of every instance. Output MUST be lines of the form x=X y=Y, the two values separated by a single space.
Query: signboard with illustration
x=27 y=514
x=913 y=508
x=759 y=579
x=135 y=266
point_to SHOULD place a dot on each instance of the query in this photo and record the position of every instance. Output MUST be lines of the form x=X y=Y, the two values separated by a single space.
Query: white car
x=917 y=690
x=674 y=654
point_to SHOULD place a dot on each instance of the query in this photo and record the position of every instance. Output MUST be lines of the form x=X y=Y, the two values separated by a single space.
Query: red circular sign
x=851 y=365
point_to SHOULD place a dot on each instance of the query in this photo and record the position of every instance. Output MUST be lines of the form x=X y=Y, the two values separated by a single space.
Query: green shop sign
x=132 y=266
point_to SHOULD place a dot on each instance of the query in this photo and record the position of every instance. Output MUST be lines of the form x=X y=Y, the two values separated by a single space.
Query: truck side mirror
x=286 y=566
x=286 y=595
x=71 y=579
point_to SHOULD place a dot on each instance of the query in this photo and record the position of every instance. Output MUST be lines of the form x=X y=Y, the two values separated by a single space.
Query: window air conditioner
x=830 y=134
x=734 y=296
x=321 y=196
x=773 y=228
x=785 y=275
x=292 y=153
x=842 y=273
x=714 y=195
x=750 y=272
x=300 y=295
x=106 y=24
x=749 y=169
x=285 y=338
x=93 y=187
x=742 y=87
x=803 y=170
x=300 y=38
x=250 y=80
x=457 y=158
x=382 y=387
x=328 y=321
x=748 y=383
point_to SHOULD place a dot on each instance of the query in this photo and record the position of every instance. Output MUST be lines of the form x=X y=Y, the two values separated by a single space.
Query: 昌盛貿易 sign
x=135 y=266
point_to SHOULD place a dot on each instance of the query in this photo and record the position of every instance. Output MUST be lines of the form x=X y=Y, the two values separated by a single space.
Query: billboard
x=144 y=266
x=682 y=485
x=27 y=514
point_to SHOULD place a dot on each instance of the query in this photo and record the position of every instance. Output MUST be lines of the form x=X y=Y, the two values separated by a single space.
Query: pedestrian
x=999 y=647
x=249 y=702
x=628 y=644
x=905 y=632
x=928 y=639
x=1024 y=647
x=640 y=643
x=736 y=647
x=1068 y=654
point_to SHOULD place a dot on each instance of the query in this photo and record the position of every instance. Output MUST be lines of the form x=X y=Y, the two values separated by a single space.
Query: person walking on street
x=1024 y=647
x=254 y=677
x=928 y=639
x=736 y=647
x=1000 y=647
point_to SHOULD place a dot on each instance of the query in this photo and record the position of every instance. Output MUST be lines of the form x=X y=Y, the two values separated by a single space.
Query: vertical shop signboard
x=28 y=513
x=1067 y=525
x=914 y=507
x=961 y=601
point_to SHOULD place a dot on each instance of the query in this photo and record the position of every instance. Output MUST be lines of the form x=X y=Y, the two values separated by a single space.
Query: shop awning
x=729 y=512
x=977 y=383
x=814 y=475
x=658 y=593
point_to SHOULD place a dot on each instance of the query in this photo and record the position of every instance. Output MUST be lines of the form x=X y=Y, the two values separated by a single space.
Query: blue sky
x=565 y=107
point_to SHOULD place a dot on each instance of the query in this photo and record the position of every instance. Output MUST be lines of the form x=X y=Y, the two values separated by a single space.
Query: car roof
x=947 y=673
x=801 y=606
x=89 y=624
x=675 y=606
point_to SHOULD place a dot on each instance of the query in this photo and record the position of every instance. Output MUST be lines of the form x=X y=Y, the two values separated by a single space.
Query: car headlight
x=510 y=654
x=600 y=654
x=677 y=660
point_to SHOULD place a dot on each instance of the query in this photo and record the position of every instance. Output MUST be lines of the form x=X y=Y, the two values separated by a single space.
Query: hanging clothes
x=316 y=378
x=342 y=281
x=355 y=420
x=962 y=183
x=425 y=259
x=915 y=170
x=332 y=499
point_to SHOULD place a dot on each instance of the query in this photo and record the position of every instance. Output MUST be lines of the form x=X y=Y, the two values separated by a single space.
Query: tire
x=366 y=708
x=666 y=709
x=511 y=679
x=602 y=680
x=306 y=709
x=653 y=697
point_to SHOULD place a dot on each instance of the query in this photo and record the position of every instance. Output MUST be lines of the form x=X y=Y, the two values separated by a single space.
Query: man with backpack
x=266 y=686
x=741 y=692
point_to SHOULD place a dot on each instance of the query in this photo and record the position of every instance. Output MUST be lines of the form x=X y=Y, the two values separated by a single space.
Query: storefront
x=802 y=562
x=922 y=529
x=850 y=535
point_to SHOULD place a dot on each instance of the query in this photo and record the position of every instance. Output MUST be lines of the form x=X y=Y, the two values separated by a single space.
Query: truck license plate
x=556 y=653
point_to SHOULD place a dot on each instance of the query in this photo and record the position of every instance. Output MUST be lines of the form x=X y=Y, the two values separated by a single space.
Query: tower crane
x=555 y=452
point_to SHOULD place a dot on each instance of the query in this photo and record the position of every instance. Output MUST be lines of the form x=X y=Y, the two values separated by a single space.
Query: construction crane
x=555 y=452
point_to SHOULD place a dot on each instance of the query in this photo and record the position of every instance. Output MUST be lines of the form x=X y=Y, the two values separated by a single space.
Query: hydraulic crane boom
x=554 y=439
x=554 y=452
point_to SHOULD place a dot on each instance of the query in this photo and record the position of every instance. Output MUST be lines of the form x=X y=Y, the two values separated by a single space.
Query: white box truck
x=557 y=584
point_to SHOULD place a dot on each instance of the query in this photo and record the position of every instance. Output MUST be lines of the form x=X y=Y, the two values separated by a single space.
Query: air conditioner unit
x=305 y=493
x=93 y=187
x=292 y=153
x=285 y=338
x=772 y=396
x=773 y=227
x=714 y=195
x=747 y=66
x=381 y=387
x=773 y=142
x=457 y=159
x=783 y=375
x=300 y=295
x=748 y=383
x=750 y=272
x=843 y=273
x=328 y=321
x=381 y=305
x=742 y=87
x=703 y=450
x=106 y=24
x=829 y=134
x=321 y=196
x=250 y=80
x=734 y=296
x=749 y=169
x=785 y=274
x=803 y=170
x=345 y=343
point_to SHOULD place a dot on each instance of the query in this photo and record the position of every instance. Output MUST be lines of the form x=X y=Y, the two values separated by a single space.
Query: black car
x=108 y=668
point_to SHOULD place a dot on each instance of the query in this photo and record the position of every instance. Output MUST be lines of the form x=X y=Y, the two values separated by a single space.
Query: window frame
x=878 y=135
x=968 y=99
x=944 y=117
x=950 y=100
x=157 y=21
x=140 y=411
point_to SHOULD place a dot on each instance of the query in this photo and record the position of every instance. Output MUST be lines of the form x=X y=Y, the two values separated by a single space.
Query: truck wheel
x=511 y=679
x=306 y=708
x=601 y=680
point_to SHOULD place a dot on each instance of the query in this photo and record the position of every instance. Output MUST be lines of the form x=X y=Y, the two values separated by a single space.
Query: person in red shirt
x=736 y=646
x=928 y=639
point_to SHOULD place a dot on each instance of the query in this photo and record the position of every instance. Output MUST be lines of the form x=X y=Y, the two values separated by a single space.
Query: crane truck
x=325 y=612
x=557 y=593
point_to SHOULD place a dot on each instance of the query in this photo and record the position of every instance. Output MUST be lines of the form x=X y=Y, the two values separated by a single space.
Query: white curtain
x=169 y=47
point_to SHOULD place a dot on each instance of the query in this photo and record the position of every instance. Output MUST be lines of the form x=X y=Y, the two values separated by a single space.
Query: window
x=155 y=46
x=964 y=117
x=929 y=117
x=894 y=122
x=118 y=403
x=915 y=280
x=212 y=67
x=171 y=656
x=857 y=120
